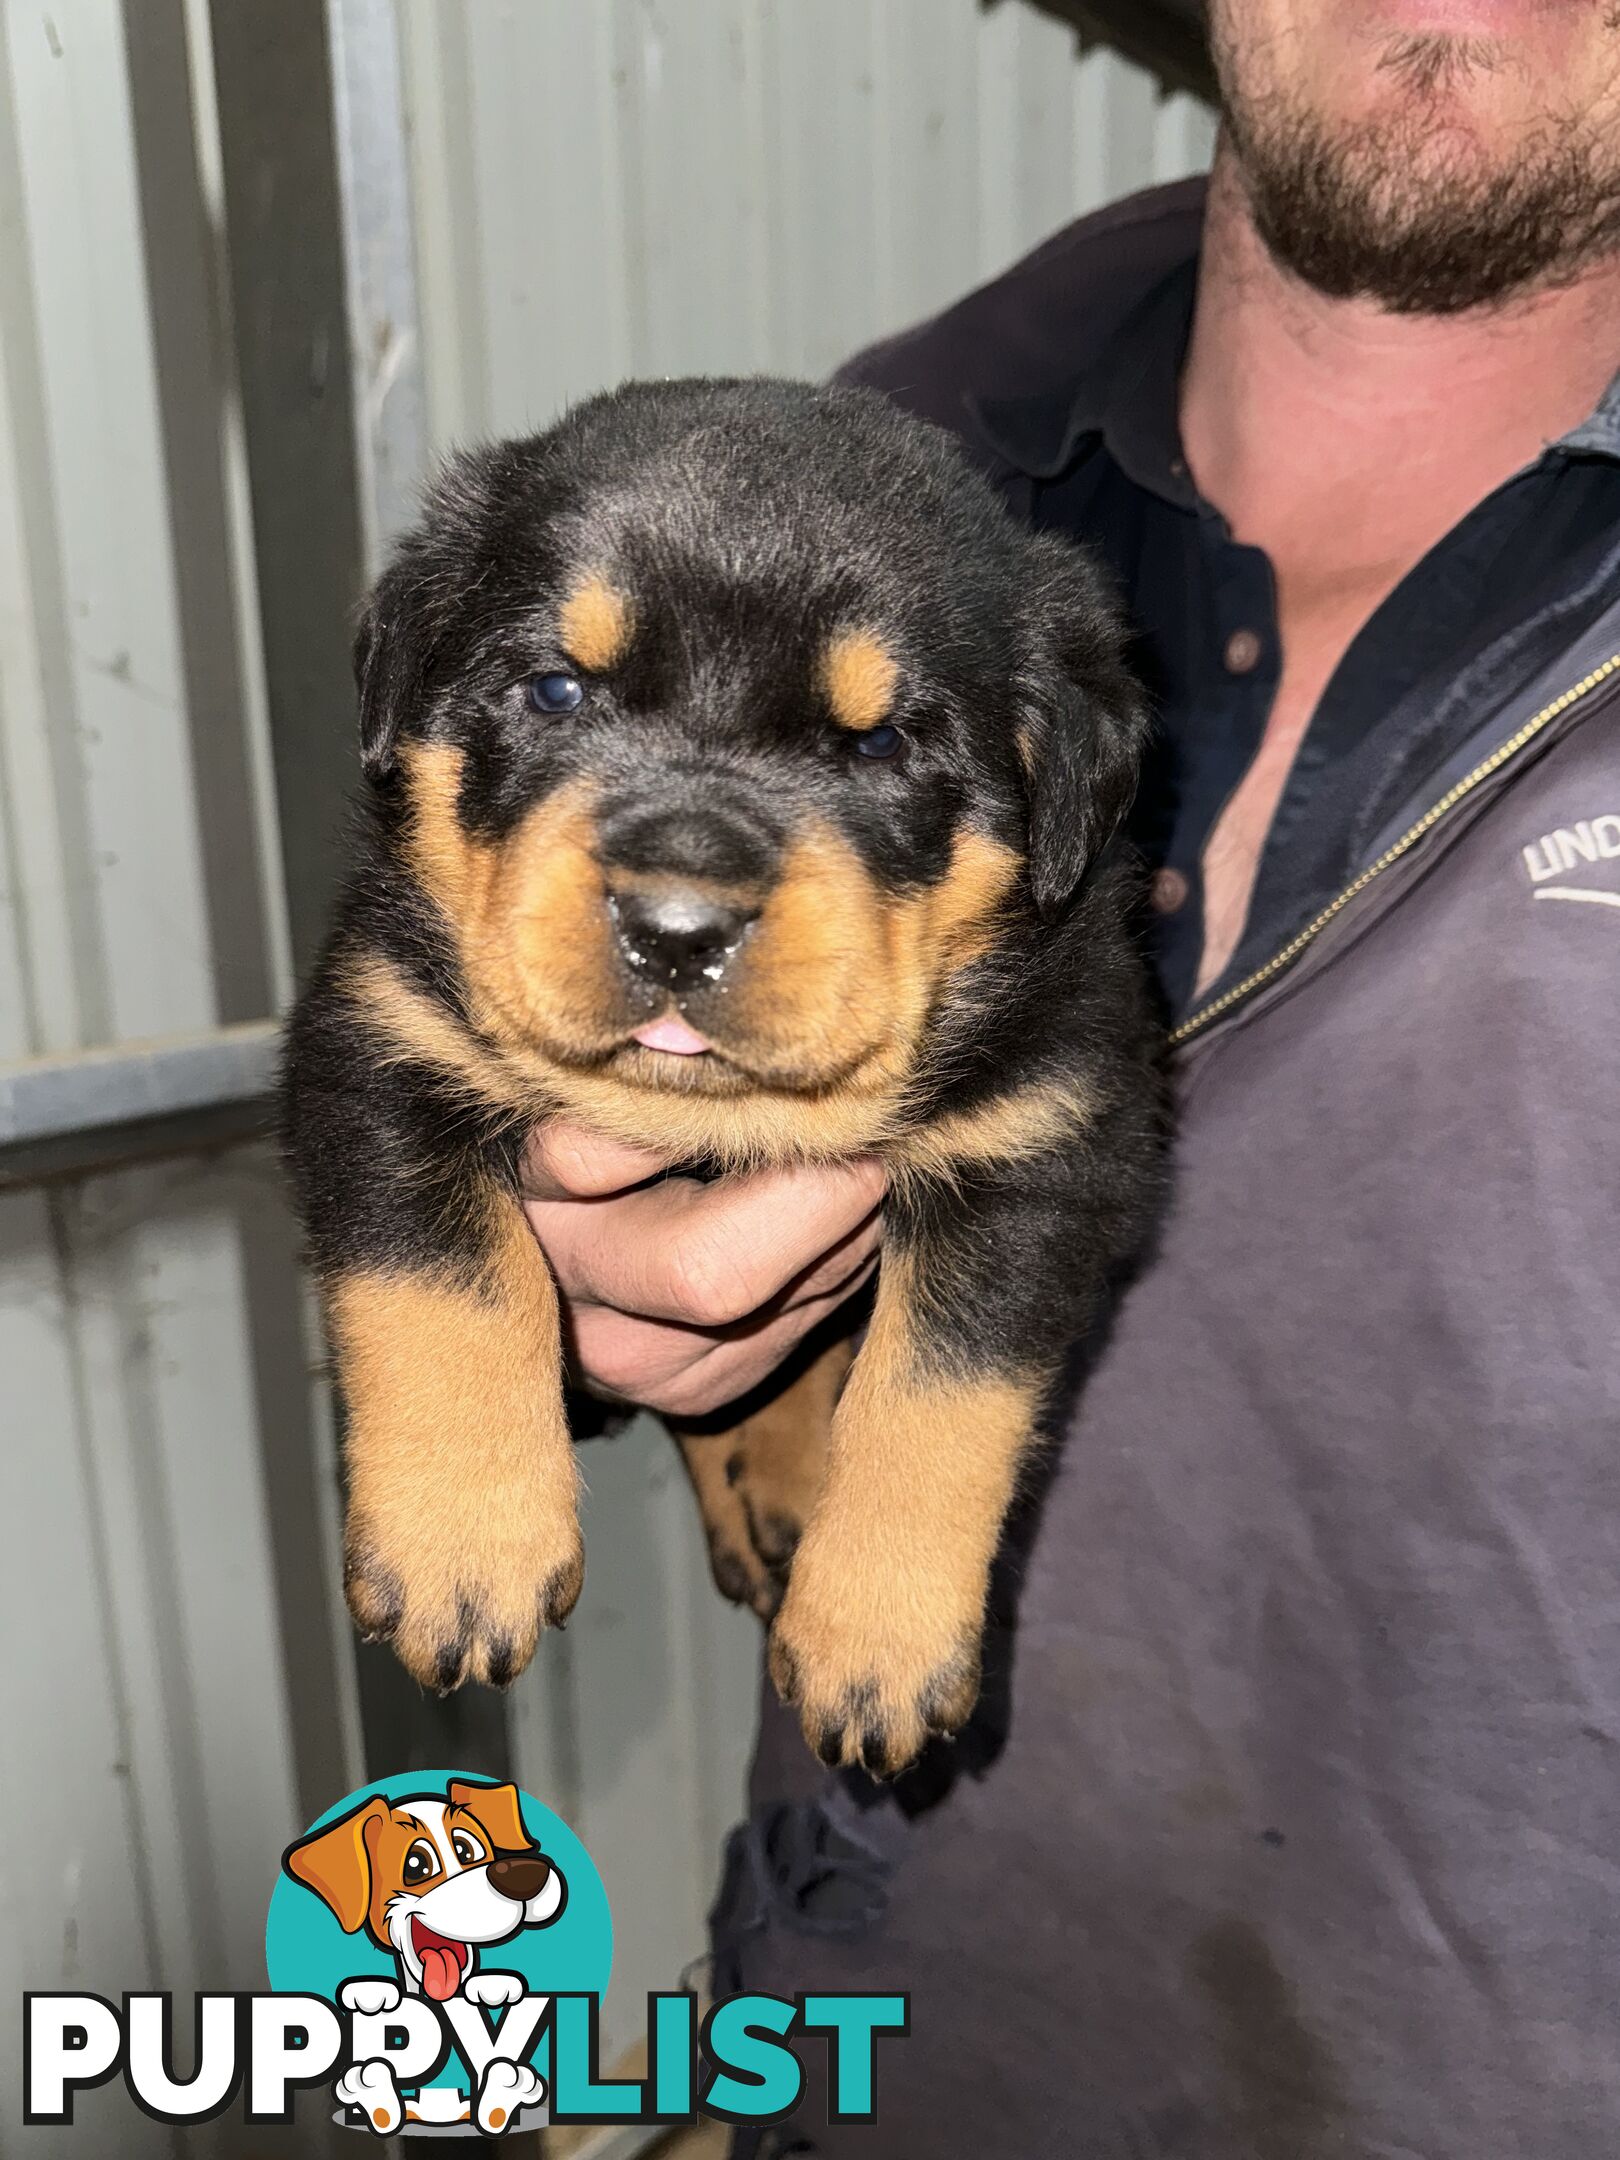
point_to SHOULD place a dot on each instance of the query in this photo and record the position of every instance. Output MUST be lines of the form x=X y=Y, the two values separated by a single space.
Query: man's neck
x=1346 y=441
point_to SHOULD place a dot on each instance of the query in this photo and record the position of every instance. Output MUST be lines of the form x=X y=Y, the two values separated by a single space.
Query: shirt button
x=1243 y=650
x=1167 y=892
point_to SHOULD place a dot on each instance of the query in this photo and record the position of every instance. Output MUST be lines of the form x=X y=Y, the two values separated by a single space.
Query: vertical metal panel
x=656 y=187
x=661 y=187
x=171 y=1689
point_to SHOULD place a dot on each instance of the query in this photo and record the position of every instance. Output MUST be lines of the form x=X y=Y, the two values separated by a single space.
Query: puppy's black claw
x=560 y=1593
x=830 y=1743
x=874 y=1751
x=731 y=1576
x=776 y=1538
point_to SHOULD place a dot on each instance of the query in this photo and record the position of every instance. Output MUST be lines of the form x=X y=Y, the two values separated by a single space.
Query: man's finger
x=652 y=1362
x=705 y=1255
x=564 y=1161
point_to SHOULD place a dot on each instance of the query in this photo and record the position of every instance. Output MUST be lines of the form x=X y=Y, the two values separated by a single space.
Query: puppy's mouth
x=673 y=1037
x=443 y=1961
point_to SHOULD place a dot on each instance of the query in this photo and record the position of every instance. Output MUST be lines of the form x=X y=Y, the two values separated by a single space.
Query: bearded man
x=1293 y=1824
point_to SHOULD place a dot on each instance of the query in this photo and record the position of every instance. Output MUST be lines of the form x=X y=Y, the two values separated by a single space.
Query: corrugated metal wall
x=666 y=187
x=154 y=1386
x=602 y=188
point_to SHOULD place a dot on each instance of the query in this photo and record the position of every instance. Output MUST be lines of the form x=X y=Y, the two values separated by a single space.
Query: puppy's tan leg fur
x=758 y=1481
x=878 y=1638
x=463 y=1535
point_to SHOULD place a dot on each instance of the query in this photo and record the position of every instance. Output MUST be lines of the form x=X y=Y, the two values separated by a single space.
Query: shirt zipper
x=1196 y=1022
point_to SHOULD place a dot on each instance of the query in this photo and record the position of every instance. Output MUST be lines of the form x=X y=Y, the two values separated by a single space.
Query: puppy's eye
x=555 y=693
x=420 y=1862
x=467 y=1849
x=880 y=742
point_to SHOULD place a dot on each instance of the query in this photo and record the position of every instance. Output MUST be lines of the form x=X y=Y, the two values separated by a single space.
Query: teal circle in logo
x=430 y=1877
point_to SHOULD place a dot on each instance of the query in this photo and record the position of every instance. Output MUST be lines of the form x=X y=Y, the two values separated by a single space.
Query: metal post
x=318 y=210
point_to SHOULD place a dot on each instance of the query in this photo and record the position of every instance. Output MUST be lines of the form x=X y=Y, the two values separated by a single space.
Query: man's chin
x=1427 y=155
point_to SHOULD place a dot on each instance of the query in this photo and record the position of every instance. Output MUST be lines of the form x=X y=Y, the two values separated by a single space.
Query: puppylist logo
x=437 y=1948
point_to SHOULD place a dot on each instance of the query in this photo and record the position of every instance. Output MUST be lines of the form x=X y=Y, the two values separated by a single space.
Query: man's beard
x=1374 y=210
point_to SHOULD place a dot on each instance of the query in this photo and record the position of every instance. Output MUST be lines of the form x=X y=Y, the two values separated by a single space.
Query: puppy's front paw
x=372 y=1998
x=750 y=1556
x=370 y=2087
x=875 y=1663
x=506 y=2088
x=463 y=1587
x=493 y=1990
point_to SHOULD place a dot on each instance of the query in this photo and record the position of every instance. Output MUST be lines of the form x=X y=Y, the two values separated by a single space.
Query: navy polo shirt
x=1502 y=591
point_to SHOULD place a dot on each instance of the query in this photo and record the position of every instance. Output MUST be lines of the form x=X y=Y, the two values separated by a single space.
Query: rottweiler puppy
x=739 y=780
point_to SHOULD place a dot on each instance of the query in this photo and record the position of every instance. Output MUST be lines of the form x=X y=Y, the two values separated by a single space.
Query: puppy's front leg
x=877 y=1641
x=463 y=1535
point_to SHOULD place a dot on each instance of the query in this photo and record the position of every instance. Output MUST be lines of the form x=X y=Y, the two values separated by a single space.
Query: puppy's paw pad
x=493 y=1990
x=506 y=2089
x=372 y=1998
x=370 y=2087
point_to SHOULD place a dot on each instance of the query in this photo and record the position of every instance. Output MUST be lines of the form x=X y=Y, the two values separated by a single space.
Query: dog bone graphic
x=370 y=2085
x=505 y=2089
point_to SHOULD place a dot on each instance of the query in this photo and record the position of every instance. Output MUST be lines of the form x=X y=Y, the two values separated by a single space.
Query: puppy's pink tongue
x=441 y=1969
x=672 y=1035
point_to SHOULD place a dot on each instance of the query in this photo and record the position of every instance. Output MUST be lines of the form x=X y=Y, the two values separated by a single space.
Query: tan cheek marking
x=858 y=674
x=1013 y=1127
x=961 y=907
x=595 y=625
x=545 y=962
x=452 y=867
x=417 y=1029
x=526 y=915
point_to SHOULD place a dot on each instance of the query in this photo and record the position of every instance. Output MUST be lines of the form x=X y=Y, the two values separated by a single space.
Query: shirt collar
x=1599 y=434
x=1129 y=400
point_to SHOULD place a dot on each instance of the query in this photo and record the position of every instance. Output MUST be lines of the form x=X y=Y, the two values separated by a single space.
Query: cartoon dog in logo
x=433 y=1879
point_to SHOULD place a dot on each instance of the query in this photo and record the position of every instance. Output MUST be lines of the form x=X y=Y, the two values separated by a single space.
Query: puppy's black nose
x=519 y=1876
x=680 y=938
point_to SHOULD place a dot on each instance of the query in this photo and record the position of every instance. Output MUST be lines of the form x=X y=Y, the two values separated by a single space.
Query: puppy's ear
x=336 y=1863
x=500 y=1811
x=1083 y=727
x=417 y=600
x=385 y=670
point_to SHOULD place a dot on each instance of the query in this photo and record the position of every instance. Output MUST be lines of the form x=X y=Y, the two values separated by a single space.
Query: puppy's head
x=431 y=1878
x=725 y=727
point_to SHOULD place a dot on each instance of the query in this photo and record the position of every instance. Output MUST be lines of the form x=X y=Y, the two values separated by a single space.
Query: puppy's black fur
x=742 y=705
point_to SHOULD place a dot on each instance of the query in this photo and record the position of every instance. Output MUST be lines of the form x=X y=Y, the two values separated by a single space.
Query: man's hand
x=683 y=1296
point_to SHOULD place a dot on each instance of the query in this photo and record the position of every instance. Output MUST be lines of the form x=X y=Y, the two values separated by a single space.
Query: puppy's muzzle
x=679 y=938
x=684 y=879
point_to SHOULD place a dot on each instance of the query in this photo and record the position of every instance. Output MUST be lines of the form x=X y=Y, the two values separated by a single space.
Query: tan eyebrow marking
x=858 y=673
x=595 y=624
